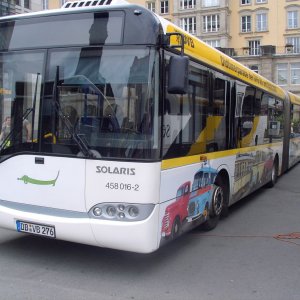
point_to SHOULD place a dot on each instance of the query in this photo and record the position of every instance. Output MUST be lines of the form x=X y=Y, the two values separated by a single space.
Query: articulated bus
x=120 y=130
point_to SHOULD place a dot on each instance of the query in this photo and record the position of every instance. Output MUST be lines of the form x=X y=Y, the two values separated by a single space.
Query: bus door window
x=216 y=122
x=295 y=117
x=264 y=116
x=20 y=93
x=198 y=95
x=247 y=116
x=259 y=121
x=276 y=124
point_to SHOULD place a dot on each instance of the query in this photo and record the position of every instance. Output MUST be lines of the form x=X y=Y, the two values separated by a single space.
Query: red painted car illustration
x=176 y=212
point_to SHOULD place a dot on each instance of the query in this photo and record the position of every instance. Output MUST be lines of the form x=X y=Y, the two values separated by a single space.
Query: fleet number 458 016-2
x=122 y=186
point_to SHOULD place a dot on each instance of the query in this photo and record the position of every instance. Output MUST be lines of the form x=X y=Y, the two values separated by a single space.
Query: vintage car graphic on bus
x=177 y=212
x=201 y=194
x=191 y=204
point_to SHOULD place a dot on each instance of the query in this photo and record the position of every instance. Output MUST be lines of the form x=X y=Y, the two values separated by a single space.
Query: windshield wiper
x=24 y=116
x=78 y=138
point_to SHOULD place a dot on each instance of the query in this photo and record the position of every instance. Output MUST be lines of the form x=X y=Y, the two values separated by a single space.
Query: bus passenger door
x=216 y=133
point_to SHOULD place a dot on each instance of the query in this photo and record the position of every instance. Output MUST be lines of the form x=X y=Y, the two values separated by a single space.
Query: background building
x=25 y=6
x=266 y=38
x=11 y=7
x=262 y=34
x=7 y=7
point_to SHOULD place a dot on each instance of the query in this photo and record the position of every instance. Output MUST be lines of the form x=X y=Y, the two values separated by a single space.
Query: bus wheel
x=176 y=228
x=218 y=201
x=274 y=174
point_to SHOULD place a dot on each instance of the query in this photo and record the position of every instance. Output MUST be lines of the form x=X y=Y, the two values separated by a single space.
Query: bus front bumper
x=141 y=236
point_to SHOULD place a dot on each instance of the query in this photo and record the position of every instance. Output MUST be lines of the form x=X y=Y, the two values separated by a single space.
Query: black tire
x=274 y=174
x=176 y=228
x=218 y=204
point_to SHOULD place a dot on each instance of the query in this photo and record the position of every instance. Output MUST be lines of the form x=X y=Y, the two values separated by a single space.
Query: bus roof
x=295 y=99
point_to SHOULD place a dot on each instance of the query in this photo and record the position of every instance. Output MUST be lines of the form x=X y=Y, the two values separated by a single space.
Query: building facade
x=26 y=6
x=266 y=38
x=7 y=7
x=11 y=7
x=206 y=19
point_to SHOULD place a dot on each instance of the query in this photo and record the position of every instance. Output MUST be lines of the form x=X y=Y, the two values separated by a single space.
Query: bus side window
x=219 y=97
x=248 y=102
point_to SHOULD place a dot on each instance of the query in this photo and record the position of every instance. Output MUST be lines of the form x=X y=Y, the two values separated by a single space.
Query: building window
x=254 y=68
x=295 y=73
x=151 y=6
x=292 y=17
x=282 y=74
x=246 y=23
x=188 y=24
x=211 y=23
x=209 y=3
x=186 y=4
x=18 y=2
x=254 y=47
x=295 y=42
x=261 y=22
x=27 y=4
x=45 y=4
x=261 y=1
x=213 y=43
x=245 y=2
x=164 y=7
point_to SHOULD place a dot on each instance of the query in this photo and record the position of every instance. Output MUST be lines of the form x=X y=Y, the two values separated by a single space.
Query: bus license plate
x=37 y=229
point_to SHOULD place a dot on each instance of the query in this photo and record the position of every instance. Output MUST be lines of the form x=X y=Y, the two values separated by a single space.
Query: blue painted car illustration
x=201 y=194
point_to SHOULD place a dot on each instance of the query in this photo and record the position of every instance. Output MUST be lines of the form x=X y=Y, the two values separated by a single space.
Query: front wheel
x=176 y=228
x=217 y=203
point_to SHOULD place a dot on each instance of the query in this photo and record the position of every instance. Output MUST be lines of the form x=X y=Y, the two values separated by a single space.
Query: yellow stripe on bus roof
x=212 y=57
x=294 y=98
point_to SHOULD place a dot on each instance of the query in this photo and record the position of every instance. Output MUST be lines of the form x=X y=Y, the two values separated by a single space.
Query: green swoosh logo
x=26 y=179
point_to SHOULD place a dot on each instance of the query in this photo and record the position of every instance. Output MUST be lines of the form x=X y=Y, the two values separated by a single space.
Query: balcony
x=267 y=50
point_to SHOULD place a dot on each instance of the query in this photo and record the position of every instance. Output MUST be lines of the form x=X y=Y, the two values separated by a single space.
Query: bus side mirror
x=178 y=75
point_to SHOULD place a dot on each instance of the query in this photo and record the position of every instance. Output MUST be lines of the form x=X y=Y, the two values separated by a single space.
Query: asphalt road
x=250 y=255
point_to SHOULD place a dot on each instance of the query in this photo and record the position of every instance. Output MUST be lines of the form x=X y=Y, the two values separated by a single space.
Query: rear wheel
x=274 y=174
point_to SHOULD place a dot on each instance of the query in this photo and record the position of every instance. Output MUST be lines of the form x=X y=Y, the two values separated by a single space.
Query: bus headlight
x=126 y=212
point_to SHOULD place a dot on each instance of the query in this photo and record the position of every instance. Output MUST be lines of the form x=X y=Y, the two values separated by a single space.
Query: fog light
x=122 y=212
x=133 y=211
x=121 y=207
x=121 y=215
x=97 y=211
x=111 y=211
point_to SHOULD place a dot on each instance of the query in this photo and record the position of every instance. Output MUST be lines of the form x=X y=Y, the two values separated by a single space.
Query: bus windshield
x=100 y=99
